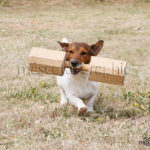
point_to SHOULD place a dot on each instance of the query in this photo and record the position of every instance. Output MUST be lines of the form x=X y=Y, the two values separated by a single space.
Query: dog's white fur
x=75 y=88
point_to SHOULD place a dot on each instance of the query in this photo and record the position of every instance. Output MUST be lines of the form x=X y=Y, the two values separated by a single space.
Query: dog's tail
x=64 y=40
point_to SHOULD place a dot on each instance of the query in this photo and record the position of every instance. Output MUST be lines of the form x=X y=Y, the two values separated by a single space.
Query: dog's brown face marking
x=78 y=53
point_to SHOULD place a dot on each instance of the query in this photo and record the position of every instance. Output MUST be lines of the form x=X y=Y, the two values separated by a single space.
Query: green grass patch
x=133 y=104
x=112 y=113
x=1 y=89
x=53 y=134
x=5 y=3
x=141 y=51
x=34 y=93
x=140 y=100
x=143 y=1
x=46 y=85
x=128 y=31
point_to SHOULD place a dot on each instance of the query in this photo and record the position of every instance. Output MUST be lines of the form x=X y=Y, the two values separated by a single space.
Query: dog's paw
x=82 y=111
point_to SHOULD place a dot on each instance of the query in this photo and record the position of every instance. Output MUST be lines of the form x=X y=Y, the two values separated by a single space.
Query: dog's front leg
x=78 y=103
x=63 y=100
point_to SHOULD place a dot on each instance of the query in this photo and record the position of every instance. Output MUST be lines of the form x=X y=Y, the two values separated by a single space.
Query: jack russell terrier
x=74 y=84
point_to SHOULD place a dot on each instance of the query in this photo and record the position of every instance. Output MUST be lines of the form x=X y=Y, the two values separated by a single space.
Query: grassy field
x=30 y=115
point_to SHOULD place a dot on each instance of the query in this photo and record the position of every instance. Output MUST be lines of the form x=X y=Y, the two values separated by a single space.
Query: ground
x=30 y=115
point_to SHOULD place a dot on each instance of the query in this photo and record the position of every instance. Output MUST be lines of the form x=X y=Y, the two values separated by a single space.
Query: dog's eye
x=70 y=51
x=83 y=53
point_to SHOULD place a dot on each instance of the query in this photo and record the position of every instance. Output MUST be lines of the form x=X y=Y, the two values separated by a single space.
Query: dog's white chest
x=77 y=85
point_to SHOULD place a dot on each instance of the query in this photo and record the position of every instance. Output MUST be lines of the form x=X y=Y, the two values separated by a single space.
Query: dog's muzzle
x=75 y=66
x=74 y=63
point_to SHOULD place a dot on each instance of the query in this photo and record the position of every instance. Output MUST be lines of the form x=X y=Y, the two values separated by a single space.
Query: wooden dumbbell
x=100 y=69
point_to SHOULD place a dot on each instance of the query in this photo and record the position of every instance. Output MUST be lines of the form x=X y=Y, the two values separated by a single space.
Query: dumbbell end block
x=47 y=61
x=107 y=70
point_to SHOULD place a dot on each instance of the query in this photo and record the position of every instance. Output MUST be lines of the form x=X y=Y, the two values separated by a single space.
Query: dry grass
x=30 y=115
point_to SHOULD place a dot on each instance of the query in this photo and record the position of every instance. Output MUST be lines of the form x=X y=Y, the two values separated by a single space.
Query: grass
x=30 y=114
x=33 y=94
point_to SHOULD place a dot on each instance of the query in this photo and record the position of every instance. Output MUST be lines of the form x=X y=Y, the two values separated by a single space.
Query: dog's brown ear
x=95 y=48
x=63 y=45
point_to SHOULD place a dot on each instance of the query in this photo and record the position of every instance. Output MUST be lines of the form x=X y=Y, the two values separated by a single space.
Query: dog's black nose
x=74 y=63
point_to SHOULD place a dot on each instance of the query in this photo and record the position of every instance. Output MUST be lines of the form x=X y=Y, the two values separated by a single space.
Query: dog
x=74 y=84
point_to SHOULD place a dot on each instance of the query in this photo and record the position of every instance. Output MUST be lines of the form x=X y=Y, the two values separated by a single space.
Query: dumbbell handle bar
x=85 y=67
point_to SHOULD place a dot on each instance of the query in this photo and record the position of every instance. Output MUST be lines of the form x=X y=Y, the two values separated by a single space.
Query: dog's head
x=80 y=53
